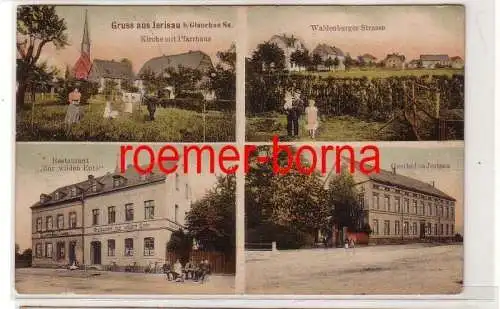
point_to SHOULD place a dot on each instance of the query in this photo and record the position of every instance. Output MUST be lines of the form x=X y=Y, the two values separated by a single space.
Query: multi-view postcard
x=128 y=157
x=355 y=73
x=126 y=73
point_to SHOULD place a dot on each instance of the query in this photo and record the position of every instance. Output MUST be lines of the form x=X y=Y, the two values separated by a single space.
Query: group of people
x=195 y=272
x=293 y=108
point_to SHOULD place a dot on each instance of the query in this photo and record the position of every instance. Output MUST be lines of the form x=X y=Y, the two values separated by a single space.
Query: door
x=422 y=230
x=72 y=252
x=95 y=253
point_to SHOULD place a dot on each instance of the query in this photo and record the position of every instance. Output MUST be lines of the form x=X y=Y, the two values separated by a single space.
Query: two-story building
x=121 y=219
x=289 y=45
x=397 y=207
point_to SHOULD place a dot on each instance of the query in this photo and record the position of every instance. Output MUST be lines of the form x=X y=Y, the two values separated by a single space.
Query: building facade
x=434 y=61
x=116 y=219
x=289 y=45
x=328 y=54
x=400 y=208
x=118 y=72
x=394 y=61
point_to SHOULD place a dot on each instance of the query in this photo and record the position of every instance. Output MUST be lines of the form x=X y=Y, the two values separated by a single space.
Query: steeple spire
x=85 y=48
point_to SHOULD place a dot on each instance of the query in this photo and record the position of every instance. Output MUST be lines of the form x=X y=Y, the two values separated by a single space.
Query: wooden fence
x=220 y=263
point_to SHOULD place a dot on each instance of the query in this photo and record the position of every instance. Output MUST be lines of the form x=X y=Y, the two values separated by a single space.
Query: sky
x=409 y=30
x=33 y=178
x=108 y=43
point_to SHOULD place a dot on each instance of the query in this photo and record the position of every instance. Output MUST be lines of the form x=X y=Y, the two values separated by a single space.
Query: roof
x=369 y=56
x=456 y=58
x=434 y=57
x=400 y=57
x=191 y=60
x=104 y=185
x=325 y=50
x=414 y=61
x=403 y=182
x=111 y=69
x=289 y=41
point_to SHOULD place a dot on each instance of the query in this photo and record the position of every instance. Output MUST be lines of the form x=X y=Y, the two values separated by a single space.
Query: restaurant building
x=117 y=219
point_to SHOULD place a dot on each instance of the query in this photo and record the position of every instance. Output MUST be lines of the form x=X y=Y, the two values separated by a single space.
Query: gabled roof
x=104 y=185
x=434 y=57
x=397 y=56
x=192 y=60
x=326 y=50
x=369 y=56
x=288 y=41
x=400 y=181
x=111 y=69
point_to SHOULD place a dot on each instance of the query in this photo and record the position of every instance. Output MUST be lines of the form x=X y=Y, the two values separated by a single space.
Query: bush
x=458 y=237
x=181 y=245
x=86 y=88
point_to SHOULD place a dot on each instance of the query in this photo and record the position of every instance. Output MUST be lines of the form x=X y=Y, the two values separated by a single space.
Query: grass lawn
x=262 y=129
x=46 y=123
x=384 y=73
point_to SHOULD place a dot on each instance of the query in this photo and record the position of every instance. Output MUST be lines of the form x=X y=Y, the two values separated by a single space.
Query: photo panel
x=91 y=219
x=355 y=73
x=126 y=73
x=355 y=220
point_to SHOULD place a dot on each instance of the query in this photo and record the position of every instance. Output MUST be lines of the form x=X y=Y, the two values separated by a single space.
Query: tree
x=181 y=245
x=37 y=26
x=268 y=56
x=152 y=82
x=349 y=62
x=222 y=79
x=342 y=198
x=316 y=61
x=183 y=79
x=301 y=58
x=329 y=63
x=126 y=61
x=110 y=88
x=336 y=62
x=211 y=220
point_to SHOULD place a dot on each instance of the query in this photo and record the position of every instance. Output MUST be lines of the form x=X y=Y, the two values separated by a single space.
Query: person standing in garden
x=73 y=113
x=312 y=119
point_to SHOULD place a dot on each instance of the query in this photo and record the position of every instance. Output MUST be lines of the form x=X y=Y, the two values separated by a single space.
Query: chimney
x=91 y=177
x=43 y=198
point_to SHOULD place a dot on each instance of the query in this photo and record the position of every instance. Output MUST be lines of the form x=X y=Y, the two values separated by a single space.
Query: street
x=397 y=269
x=55 y=281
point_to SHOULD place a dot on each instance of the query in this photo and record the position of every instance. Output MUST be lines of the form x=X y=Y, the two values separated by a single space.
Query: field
x=398 y=269
x=55 y=281
x=383 y=73
x=342 y=128
x=46 y=123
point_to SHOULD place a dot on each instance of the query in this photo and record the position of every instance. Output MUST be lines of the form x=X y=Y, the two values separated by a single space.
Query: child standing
x=312 y=118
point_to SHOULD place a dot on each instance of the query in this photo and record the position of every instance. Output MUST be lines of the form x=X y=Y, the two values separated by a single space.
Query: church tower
x=83 y=64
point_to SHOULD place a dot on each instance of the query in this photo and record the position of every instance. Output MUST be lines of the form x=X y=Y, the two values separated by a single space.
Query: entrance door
x=72 y=252
x=95 y=252
x=422 y=230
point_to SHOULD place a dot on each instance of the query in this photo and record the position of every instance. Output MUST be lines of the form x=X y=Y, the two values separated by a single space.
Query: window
x=38 y=224
x=446 y=229
x=48 y=250
x=177 y=182
x=72 y=220
x=57 y=195
x=440 y=211
x=129 y=247
x=407 y=205
x=435 y=229
x=72 y=192
x=429 y=209
x=396 y=228
x=176 y=213
x=111 y=214
x=375 y=227
x=406 y=226
x=60 y=250
x=187 y=191
x=441 y=229
x=48 y=223
x=117 y=181
x=436 y=210
x=93 y=187
x=452 y=212
x=452 y=229
x=446 y=212
x=414 y=206
x=38 y=250
x=422 y=208
x=387 y=227
x=60 y=222
x=398 y=204
x=387 y=203
x=111 y=247
x=149 y=246
x=149 y=210
x=129 y=212
x=95 y=216
x=375 y=201
x=361 y=200
x=415 y=228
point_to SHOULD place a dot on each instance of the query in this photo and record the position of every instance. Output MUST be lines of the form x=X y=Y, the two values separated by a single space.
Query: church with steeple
x=83 y=65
